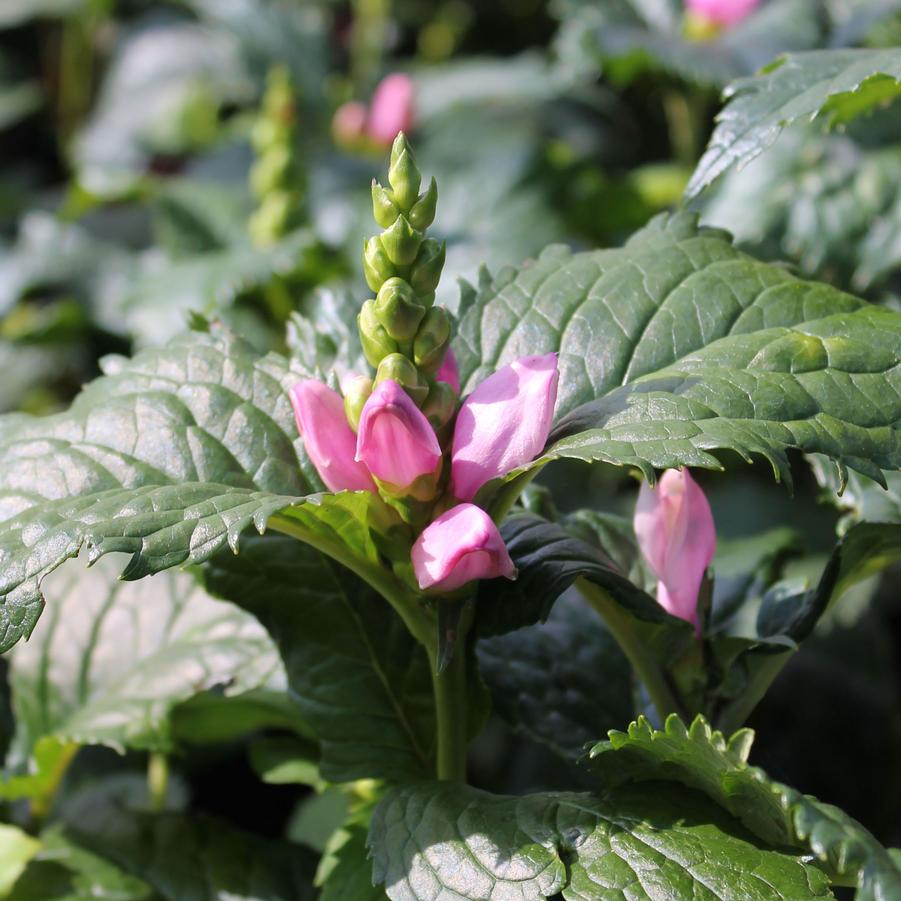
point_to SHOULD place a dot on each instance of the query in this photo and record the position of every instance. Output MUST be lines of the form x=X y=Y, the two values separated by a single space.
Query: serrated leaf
x=561 y=682
x=169 y=458
x=345 y=871
x=837 y=84
x=439 y=840
x=112 y=659
x=361 y=681
x=17 y=848
x=705 y=760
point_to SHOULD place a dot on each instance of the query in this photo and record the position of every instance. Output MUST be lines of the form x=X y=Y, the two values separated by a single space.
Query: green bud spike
x=384 y=210
x=401 y=242
x=274 y=218
x=397 y=309
x=404 y=178
x=422 y=213
x=356 y=393
x=377 y=343
x=431 y=340
x=272 y=171
x=440 y=405
x=425 y=273
x=377 y=268
x=399 y=146
x=399 y=369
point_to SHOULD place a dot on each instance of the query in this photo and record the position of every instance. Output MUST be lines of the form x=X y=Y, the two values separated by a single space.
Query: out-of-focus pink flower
x=448 y=371
x=394 y=439
x=677 y=536
x=459 y=546
x=328 y=439
x=504 y=423
x=391 y=109
x=349 y=123
x=722 y=12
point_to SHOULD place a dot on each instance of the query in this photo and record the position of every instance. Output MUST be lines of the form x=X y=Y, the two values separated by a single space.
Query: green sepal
x=377 y=343
x=401 y=242
x=377 y=267
x=356 y=393
x=422 y=213
x=404 y=176
x=384 y=209
x=399 y=369
x=397 y=309
x=425 y=273
x=440 y=405
x=431 y=340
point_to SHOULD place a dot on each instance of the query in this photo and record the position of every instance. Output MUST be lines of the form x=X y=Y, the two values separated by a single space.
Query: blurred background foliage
x=165 y=162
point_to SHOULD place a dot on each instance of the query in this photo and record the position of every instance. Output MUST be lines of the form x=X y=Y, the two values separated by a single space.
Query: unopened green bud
x=404 y=177
x=377 y=343
x=398 y=310
x=399 y=369
x=440 y=405
x=401 y=242
x=377 y=268
x=356 y=390
x=425 y=273
x=422 y=213
x=384 y=209
x=431 y=340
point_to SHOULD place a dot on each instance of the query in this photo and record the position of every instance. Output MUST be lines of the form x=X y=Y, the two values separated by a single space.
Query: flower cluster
x=721 y=13
x=404 y=434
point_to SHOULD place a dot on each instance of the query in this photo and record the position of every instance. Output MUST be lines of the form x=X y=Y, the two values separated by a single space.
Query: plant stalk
x=661 y=694
x=449 y=688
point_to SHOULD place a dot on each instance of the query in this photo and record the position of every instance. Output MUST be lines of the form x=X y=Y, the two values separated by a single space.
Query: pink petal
x=504 y=423
x=349 y=123
x=677 y=536
x=449 y=371
x=391 y=109
x=723 y=12
x=394 y=439
x=458 y=547
x=327 y=438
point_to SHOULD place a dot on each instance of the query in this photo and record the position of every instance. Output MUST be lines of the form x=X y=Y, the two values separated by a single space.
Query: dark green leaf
x=838 y=84
x=440 y=840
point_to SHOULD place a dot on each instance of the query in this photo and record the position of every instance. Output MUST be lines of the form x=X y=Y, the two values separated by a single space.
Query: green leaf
x=561 y=682
x=836 y=84
x=862 y=498
x=17 y=848
x=361 y=681
x=706 y=761
x=345 y=871
x=439 y=840
x=677 y=345
x=169 y=457
x=111 y=660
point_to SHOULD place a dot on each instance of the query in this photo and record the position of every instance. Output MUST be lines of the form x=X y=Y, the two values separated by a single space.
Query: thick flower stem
x=662 y=696
x=449 y=688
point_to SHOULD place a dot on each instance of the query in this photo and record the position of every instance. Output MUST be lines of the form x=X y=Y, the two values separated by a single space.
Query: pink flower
x=394 y=439
x=327 y=438
x=459 y=546
x=349 y=123
x=677 y=536
x=722 y=12
x=504 y=423
x=448 y=371
x=391 y=109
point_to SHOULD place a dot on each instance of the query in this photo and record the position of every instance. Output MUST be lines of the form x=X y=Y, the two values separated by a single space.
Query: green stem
x=157 y=779
x=654 y=680
x=682 y=120
x=734 y=716
x=449 y=689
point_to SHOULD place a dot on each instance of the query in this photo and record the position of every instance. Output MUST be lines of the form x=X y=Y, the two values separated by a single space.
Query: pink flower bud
x=722 y=12
x=394 y=439
x=677 y=536
x=327 y=438
x=459 y=546
x=349 y=123
x=391 y=109
x=448 y=371
x=504 y=423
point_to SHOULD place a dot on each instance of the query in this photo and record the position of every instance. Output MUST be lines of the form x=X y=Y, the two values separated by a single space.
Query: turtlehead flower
x=394 y=439
x=677 y=537
x=329 y=441
x=459 y=546
x=504 y=423
x=449 y=372
x=722 y=12
x=391 y=110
